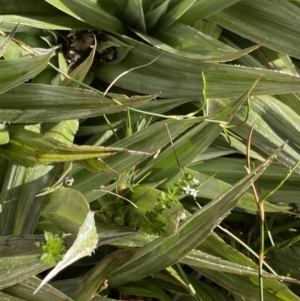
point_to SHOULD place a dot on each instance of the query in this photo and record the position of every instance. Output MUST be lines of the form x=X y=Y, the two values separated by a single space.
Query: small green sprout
x=53 y=248
x=154 y=223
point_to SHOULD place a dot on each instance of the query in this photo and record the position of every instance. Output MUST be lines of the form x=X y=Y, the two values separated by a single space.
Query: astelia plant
x=86 y=90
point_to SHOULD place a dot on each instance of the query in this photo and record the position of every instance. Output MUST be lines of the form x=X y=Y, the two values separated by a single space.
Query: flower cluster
x=191 y=189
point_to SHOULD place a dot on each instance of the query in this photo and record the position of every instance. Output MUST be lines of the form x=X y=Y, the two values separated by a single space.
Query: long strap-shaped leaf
x=15 y=72
x=30 y=149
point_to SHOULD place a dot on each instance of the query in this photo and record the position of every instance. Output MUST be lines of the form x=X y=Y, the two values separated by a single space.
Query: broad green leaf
x=217 y=247
x=5 y=296
x=25 y=266
x=291 y=100
x=144 y=288
x=95 y=280
x=134 y=15
x=199 y=260
x=30 y=149
x=88 y=130
x=156 y=107
x=214 y=245
x=284 y=261
x=231 y=170
x=17 y=71
x=201 y=9
x=66 y=208
x=63 y=132
x=26 y=186
x=165 y=251
x=35 y=13
x=210 y=28
x=24 y=290
x=187 y=42
x=248 y=286
x=91 y=13
x=190 y=40
x=175 y=10
x=269 y=132
x=158 y=9
x=32 y=103
x=177 y=77
x=20 y=206
x=275 y=22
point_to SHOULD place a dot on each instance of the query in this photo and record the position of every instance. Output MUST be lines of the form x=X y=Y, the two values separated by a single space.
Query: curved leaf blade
x=15 y=72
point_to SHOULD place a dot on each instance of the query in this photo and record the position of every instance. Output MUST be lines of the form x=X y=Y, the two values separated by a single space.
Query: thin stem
x=261 y=213
x=188 y=283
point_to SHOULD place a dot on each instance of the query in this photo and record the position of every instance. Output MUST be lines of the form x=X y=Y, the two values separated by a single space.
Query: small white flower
x=187 y=189
x=195 y=181
x=194 y=193
x=191 y=191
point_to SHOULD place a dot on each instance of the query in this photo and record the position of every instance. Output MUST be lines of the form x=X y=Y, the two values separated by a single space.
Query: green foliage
x=87 y=88
x=53 y=248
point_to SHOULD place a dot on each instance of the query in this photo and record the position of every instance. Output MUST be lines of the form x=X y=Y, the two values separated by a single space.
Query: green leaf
x=32 y=103
x=35 y=13
x=30 y=149
x=95 y=280
x=275 y=22
x=248 y=286
x=91 y=13
x=175 y=10
x=201 y=9
x=23 y=291
x=187 y=42
x=199 y=260
x=165 y=251
x=144 y=288
x=269 y=131
x=177 y=77
x=66 y=208
x=134 y=15
x=20 y=206
x=157 y=10
x=17 y=71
